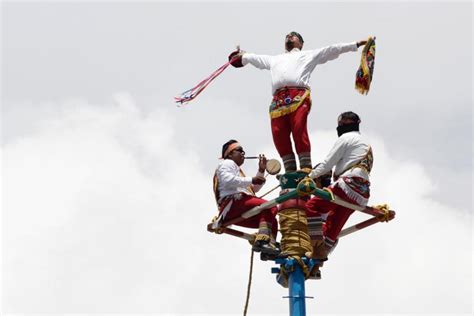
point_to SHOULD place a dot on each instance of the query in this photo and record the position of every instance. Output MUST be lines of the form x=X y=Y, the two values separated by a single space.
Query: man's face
x=237 y=155
x=292 y=41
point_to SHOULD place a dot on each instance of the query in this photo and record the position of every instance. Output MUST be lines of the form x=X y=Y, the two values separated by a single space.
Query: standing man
x=352 y=158
x=235 y=195
x=291 y=102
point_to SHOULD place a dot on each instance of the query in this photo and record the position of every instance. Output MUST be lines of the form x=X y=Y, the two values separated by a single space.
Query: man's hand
x=262 y=163
x=235 y=58
x=258 y=180
x=360 y=43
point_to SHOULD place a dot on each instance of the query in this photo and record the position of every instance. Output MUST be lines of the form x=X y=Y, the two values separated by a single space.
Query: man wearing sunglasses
x=235 y=194
x=289 y=109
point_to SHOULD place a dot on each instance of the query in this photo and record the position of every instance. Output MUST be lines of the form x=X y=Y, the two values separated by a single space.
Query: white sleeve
x=259 y=61
x=229 y=176
x=257 y=187
x=336 y=154
x=323 y=55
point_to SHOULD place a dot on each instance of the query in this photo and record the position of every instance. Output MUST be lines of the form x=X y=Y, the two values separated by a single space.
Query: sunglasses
x=240 y=150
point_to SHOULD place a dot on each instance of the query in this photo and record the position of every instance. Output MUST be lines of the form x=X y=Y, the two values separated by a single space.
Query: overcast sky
x=106 y=184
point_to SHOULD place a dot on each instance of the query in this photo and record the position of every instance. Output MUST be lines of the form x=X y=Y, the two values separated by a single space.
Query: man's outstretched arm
x=323 y=55
x=240 y=58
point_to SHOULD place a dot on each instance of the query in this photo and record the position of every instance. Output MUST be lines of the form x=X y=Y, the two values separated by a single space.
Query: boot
x=264 y=241
x=289 y=162
x=305 y=160
x=315 y=273
x=320 y=250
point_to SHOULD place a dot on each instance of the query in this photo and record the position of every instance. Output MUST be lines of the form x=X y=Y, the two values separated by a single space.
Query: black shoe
x=267 y=257
x=257 y=245
x=283 y=255
x=315 y=274
x=265 y=247
x=270 y=249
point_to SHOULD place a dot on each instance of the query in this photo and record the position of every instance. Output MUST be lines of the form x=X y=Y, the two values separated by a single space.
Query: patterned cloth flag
x=365 y=72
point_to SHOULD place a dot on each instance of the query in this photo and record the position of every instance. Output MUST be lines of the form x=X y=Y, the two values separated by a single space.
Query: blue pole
x=296 y=290
x=296 y=281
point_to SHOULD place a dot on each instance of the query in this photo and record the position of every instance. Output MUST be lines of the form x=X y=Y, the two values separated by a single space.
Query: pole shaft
x=297 y=292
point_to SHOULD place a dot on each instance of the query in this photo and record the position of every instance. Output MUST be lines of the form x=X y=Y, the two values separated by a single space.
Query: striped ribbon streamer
x=192 y=93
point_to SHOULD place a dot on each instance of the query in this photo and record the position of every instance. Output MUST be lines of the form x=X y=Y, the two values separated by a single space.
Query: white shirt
x=294 y=68
x=348 y=150
x=231 y=181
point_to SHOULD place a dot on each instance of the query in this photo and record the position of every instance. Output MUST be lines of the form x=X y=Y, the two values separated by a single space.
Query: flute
x=252 y=157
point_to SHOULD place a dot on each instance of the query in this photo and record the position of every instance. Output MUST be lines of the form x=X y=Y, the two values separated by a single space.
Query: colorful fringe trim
x=192 y=93
x=366 y=70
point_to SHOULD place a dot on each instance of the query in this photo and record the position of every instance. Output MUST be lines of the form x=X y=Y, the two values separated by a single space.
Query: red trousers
x=293 y=123
x=246 y=203
x=338 y=215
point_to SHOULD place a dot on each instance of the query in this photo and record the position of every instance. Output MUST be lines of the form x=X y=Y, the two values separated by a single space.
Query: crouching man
x=235 y=195
x=352 y=159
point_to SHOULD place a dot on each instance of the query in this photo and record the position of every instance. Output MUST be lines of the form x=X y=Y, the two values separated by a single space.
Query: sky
x=106 y=184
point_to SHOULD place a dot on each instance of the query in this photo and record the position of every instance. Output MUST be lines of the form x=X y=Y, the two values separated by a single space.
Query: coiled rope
x=295 y=240
x=386 y=214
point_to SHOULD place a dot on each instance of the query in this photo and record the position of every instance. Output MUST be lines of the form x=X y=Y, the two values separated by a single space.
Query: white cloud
x=104 y=212
x=420 y=262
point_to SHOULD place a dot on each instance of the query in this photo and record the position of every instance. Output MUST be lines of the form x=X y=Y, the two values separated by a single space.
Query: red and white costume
x=291 y=104
x=352 y=158
x=235 y=195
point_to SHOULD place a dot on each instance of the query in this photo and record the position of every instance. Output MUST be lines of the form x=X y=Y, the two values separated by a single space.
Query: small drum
x=273 y=166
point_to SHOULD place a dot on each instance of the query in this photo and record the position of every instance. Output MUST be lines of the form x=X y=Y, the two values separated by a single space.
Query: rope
x=269 y=191
x=295 y=241
x=249 y=283
x=385 y=217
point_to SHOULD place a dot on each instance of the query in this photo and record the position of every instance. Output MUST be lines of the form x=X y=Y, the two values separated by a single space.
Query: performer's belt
x=286 y=100
x=365 y=164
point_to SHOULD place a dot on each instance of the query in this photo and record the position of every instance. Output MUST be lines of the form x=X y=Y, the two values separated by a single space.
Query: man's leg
x=298 y=122
x=335 y=225
x=265 y=222
x=281 y=131
x=315 y=207
x=336 y=220
x=340 y=215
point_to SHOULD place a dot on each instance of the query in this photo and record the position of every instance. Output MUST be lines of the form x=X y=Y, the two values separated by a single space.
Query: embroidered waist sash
x=365 y=164
x=358 y=185
x=356 y=188
x=286 y=100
